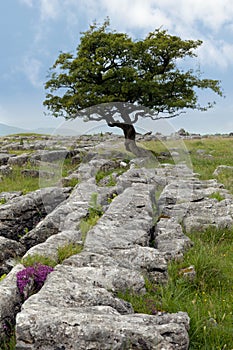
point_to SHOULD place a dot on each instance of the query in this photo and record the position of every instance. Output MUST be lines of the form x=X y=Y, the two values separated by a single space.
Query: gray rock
x=67 y=215
x=37 y=173
x=141 y=175
x=146 y=260
x=127 y=222
x=221 y=169
x=21 y=214
x=10 y=301
x=97 y=327
x=50 y=156
x=209 y=212
x=9 y=249
x=10 y=195
x=19 y=160
x=5 y=170
x=88 y=170
x=77 y=308
x=170 y=239
x=4 y=158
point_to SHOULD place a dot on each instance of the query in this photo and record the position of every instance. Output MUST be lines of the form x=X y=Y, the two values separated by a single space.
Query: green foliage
x=102 y=174
x=28 y=134
x=63 y=252
x=94 y=207
x=111 y=198
x=111 y=67
x=68 y=167
x=3 y=201
x=31 y=260
x=207 y=298
x=68 y=250
x=86 y=224
x=2 y=277
x=72 y=182
x=217 y=195
x=9 y=342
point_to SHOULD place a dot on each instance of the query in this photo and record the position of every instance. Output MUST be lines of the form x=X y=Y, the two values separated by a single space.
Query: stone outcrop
x=4 y=158
x=80 y=293
x=9 y=250
x=21 y=214
x=141 y=230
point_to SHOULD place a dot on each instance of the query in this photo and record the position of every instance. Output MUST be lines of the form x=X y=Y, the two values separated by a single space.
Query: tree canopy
x=111 y=67
x=114 y=78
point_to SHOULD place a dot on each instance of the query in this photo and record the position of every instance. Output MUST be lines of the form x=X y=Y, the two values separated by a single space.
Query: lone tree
x=111 y=76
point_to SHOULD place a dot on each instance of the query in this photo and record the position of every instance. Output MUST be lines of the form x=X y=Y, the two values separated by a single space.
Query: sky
x=34 y=32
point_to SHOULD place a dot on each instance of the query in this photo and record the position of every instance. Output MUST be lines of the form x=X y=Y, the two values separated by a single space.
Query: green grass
x=217 y=151
x=17 y=182
x=9 y=342
x=63 y=252
x=69 y=249
x=38 y=136
x=208 y=298
x=31 y=260
x=217 y=195
x=95 y=211
x=102 y=174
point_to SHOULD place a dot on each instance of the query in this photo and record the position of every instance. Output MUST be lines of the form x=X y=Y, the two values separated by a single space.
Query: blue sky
x=34 y=32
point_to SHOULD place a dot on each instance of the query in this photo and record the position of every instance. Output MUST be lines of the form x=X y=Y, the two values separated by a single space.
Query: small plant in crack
x=95 y=211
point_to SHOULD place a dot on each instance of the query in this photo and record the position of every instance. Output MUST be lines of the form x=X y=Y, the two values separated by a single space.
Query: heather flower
x=31 y=279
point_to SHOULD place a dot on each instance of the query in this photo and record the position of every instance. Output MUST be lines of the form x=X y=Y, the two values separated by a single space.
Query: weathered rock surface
x=10 y=301
x=19 y=160
x=141 y=230
x=5 y=170
x=21 y=214
x=4 y=158
x=116 y=257
x=9 y=249
x=6 y=196
x=100 y=327
x=66 y=216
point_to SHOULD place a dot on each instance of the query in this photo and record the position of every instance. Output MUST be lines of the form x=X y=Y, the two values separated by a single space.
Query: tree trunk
x=130 y=135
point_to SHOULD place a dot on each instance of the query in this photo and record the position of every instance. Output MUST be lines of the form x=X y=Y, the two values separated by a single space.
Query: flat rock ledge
x=138 y=234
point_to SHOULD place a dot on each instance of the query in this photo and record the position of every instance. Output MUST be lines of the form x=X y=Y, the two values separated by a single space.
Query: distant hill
x=9 y=130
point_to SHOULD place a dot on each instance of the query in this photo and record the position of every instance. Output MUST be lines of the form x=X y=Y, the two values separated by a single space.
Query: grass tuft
x=95 y=211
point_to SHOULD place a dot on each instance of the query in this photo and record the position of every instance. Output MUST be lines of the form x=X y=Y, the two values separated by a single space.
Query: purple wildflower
x=23 y=277
x=32 y=277
x=41 y=273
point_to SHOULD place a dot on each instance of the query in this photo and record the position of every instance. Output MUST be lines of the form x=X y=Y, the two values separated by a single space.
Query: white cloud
x=192 y=19
x=216 y=53
x=49 y=9
x=27 y=2
x=31 y=68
